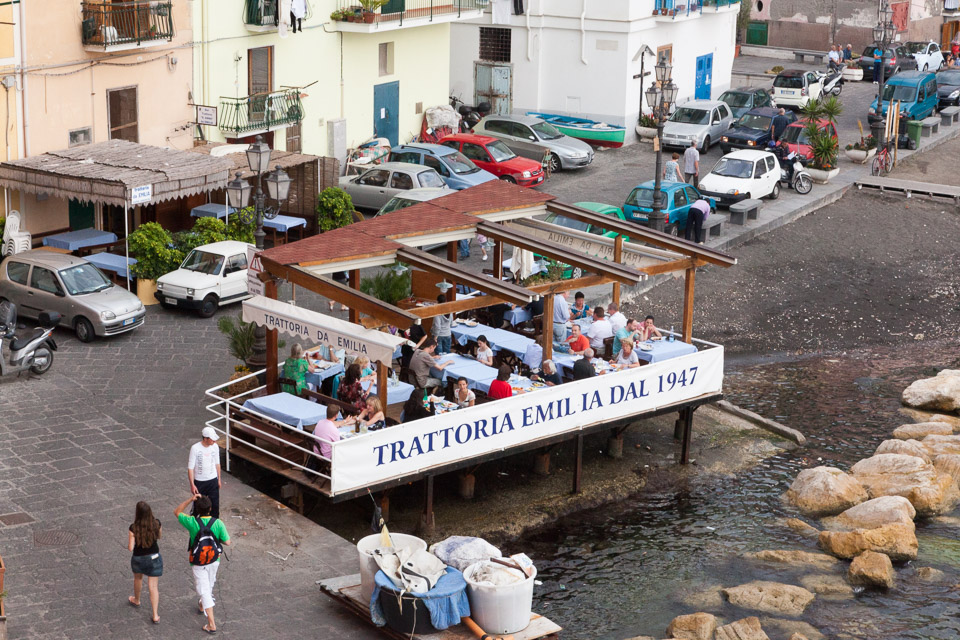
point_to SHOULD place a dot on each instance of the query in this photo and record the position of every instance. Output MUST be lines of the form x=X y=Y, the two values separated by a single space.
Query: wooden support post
x=497 y=260
x=618 y=258
x=382 y=382
x=270 y=291
x=354 y=284
x=541 y=464
x=687 y=433
x=578 y=464
x=688 y=305
x=615 y=444
x=547 y=338
x=468 y=483
x=678 y=425
x=427 y=523
x=452 y=257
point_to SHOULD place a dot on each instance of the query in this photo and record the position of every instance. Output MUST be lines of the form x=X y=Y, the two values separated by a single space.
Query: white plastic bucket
x=500 y=610
x=368 y=566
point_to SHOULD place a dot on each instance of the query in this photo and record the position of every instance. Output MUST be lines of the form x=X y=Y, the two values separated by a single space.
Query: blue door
x=386 y=105
x=704 y=77
x=493 y=83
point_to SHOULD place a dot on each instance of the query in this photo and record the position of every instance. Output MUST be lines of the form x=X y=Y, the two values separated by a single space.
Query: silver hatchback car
x=533 y=138
x=87 y=301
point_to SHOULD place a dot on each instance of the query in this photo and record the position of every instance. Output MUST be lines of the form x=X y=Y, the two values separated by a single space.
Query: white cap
x=209 y=432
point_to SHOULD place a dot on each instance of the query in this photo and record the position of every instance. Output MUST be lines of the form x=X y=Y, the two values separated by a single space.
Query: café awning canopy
x=108 y=172
x=317 y=328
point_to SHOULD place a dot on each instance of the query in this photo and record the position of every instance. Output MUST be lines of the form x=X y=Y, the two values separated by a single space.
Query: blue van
x=916 y=91
x=456 y=170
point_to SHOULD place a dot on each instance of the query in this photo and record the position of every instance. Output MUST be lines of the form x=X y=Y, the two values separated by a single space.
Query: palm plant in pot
x=370 y=8
x=821 y=122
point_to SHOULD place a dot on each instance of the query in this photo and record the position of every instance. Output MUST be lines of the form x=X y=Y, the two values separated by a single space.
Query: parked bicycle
x=882 y=162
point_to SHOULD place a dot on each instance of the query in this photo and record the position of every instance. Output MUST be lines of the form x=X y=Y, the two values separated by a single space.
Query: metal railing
x=108 y=24
x=678 y=8
x=260 y=112
x=720 y=3
x=396 y=11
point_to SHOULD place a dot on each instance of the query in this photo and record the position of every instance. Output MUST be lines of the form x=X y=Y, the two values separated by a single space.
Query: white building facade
x=583 y=57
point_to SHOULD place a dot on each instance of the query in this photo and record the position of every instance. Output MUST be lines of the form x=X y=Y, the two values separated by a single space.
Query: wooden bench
x=745 y=210
x=800 y=54
x=713 y=225
x=949 y=116
x=929 y=126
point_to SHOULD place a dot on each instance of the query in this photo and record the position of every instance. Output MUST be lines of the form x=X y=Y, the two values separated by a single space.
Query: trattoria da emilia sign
x=475 y=431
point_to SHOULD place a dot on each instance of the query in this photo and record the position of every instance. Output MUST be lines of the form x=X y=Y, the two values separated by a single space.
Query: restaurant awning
x=318 y=328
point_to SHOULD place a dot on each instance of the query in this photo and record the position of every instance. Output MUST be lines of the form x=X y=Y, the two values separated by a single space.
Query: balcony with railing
x=667 y=10
x=117 y=26
x=261 y=15
x=370 y=16
x=260 y=113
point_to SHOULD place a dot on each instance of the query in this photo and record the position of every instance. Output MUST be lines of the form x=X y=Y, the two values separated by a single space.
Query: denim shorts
x=150 y=566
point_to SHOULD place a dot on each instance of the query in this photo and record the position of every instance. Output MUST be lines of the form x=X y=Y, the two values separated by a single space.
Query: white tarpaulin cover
x=321 y=329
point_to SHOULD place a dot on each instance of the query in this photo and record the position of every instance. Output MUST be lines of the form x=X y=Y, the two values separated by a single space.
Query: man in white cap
x=203 y=469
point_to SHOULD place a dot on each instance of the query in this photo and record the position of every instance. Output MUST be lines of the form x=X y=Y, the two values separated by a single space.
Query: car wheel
x=554 y=164
x=43 y=360
x=209 y=306
x=706 y=145
x=672 y=230
x=925 y=66
x=84 y=330
x=509 y=179
x=776 y=191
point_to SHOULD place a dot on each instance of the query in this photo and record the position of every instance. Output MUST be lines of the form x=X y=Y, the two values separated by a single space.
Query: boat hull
x=589 y=132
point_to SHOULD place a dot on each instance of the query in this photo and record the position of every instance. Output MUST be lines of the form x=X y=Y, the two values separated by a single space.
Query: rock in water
x=796 y=558
x=801 y=527
x=873 y=513
x=746 y=629
x=871 y=569
x=827 y=584
x=908 y=447
x=928 y=416
x=783 y=628
x=929 y=574
x=770 y=597
x=941 y=445
x=921 y=430
x=696 y=626
x=941 y=393
x=824 y=491
x=948 y=463
x=893 y=474
x=896 y=540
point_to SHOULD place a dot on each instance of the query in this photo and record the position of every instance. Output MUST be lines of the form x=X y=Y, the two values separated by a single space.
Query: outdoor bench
x=745 y=210
x=949 y=116
x=800 y=54
x=930 y=126
x=713 y=224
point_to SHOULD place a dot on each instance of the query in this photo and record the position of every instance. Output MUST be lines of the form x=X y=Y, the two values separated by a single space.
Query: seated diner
x=296 y=368
x=626 y=357
x=500 y=388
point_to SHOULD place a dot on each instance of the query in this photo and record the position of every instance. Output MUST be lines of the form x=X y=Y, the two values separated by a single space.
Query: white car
x=927 y=54
x=700 y=121
x=796 y=87
x=211 y=275
x=741 y=175
x=374 y=187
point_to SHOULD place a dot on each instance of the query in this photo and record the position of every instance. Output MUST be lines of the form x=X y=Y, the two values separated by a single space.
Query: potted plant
x=153 y=248
x=656 y=11
x=824 y=147
x=663 y=11
x=370 y=8
x=387 y=286
x=646 y=127
x=862 y=150
x=240 y=339
x=852 y=71
x=334 y=209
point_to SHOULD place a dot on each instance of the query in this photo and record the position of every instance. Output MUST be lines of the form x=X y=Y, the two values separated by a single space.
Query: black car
x=752 y=130
x=948 y=88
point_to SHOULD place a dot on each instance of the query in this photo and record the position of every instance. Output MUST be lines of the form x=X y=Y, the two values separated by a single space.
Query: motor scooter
x=792 y=171
x=831 y=81
x=33 y=352
x=469 y=115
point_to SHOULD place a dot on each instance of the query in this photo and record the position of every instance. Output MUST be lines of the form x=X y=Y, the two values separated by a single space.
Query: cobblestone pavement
x=109 y=425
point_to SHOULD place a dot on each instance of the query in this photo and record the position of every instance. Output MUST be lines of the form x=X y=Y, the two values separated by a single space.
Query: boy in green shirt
x=204 y=576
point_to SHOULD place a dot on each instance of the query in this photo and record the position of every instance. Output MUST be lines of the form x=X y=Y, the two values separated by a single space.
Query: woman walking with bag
x=146 y=560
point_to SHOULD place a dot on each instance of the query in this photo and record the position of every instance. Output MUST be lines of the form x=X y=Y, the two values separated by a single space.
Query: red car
x=497 y=158
x=795 y=137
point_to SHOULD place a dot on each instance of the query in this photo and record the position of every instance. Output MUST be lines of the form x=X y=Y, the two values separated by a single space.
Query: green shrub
x=776 y=69
x=152 y=246
x=334 y=209
x=387 y=286
x=239 y=334
x=239 y=231
x=3 y=224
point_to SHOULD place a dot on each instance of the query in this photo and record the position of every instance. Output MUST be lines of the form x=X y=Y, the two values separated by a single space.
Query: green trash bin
x=914 y=128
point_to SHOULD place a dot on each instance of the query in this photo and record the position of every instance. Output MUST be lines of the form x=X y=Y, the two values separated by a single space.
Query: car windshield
x=795 y=135
x=641 y=197
x=202 y=262
x=735 y=98
x=500 y=151
x=84 y=278
x=430 y=179
x=459 y=163
x=899 y=92
x=916 y=47
x=753 y=121
x=569 y=223
x=948 y=78
x=733 y=168
x=688 y=115
x=395 y=204
x=788 y=82
x=546 y=131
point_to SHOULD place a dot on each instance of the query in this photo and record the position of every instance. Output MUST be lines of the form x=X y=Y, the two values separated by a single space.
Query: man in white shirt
x=833 y=58
x=599 y=330
x=617 y=320
x=561 y=315
x=203 y=468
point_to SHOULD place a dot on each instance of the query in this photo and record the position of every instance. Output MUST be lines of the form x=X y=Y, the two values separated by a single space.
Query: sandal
x=210 y=631
x=132 y=603
x=200 y=607
x=156 y=621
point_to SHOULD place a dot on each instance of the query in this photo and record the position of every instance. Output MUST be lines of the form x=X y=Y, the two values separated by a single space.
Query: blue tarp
x=447 y=601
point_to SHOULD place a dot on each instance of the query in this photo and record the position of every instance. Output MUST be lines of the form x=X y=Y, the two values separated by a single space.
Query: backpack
x=206 y=548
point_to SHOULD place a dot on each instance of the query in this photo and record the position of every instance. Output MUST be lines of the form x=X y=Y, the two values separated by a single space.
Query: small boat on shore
x=590 y=131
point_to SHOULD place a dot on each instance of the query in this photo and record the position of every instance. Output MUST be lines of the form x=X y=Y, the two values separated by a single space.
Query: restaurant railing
x=120 y=23
x=260 y=112
x=399 y=10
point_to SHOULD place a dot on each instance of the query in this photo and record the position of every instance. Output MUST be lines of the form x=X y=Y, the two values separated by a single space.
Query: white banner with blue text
x=496 y=426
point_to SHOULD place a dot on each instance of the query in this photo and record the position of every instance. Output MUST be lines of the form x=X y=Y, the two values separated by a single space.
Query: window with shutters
x=495 y=44
x=294 y=139
x=122 y=114
x=259 y=81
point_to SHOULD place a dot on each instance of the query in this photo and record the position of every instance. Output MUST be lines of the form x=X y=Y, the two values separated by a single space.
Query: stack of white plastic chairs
x=14 y=240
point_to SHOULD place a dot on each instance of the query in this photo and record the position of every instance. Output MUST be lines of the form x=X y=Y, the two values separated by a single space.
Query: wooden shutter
x=122 y=114
x=260 y=70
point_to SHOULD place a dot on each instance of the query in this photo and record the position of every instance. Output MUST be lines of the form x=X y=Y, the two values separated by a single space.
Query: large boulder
x=941 y=393
x=908 y=447
x=746 y=629
x=770 y=597
x=796 y=558
x=696 y=626
x=892 y=474
x=899 y=541
x=871 y=569
x=918 y=415
x=937 y=445
x=921 y=430
x=824 y=491
x=948 y=463
x=873 y=513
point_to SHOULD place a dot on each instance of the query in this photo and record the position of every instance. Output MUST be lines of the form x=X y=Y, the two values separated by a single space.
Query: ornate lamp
x=238 y=192
x=258 y=156
x=278 y=184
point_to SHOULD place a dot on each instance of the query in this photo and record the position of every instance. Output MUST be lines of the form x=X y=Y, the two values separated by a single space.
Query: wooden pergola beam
x=491 y=286
x=673 y=265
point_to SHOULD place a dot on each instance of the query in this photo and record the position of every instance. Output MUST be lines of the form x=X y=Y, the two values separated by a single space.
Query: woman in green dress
x=296 y=368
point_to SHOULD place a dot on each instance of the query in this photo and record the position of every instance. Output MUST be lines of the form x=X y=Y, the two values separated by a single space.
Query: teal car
x=677 y=198
x=577 y=225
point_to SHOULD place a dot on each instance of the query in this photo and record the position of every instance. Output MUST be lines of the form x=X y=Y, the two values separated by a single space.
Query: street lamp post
x=883 y=34
x=238 y=195
x=660 y=99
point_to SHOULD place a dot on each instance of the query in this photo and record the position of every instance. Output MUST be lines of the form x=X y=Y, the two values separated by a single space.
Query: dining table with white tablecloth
x=499 y=339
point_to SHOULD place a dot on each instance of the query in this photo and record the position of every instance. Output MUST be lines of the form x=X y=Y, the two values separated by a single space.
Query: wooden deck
x=910 y=187
x=346 y=591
